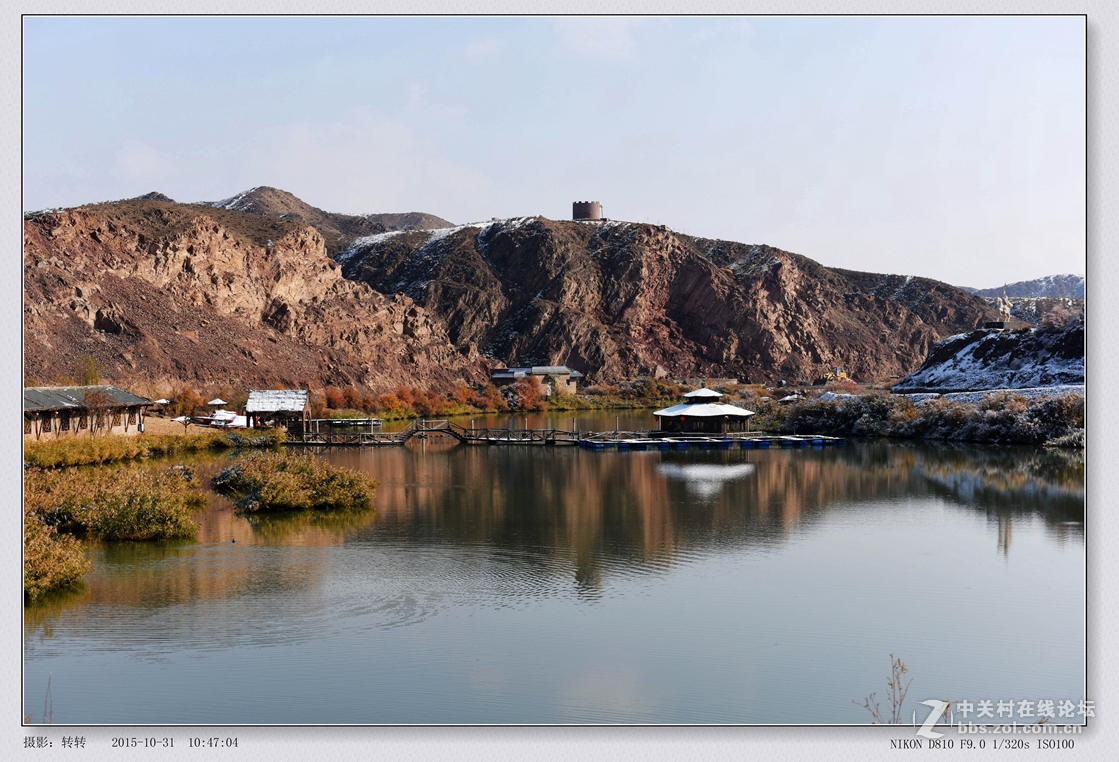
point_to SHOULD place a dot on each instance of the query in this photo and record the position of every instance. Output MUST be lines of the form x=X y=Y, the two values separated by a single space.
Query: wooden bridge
x=427 y=428
x=595 y=440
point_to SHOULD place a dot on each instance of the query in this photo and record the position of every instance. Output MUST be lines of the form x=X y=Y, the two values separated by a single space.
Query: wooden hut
x=566 y=379
x=267 y=408
x=54 y=412
x=701 y=413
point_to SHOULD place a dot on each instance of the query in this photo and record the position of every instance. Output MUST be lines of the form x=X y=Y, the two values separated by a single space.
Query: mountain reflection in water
x=517 y=584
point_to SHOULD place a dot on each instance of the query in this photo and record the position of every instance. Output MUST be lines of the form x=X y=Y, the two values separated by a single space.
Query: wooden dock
x=591 y=440
x=643 y=441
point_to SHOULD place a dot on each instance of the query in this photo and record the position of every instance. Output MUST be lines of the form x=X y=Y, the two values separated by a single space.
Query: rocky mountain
x=1034 y=309
x=998 y=359
x=246 y=292
x=168 y=293
x=1049 y=286
x=337 y=230
x=616 y=300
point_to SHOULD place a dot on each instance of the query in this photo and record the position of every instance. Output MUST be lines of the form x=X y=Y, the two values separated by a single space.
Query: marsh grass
x=287 y=482
x=51 y=561
x=86 y=451
x=114 y=503
x=896 y=688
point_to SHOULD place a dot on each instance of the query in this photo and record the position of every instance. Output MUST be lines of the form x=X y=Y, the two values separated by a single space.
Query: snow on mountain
x=1002 y=359
x=1051 y=285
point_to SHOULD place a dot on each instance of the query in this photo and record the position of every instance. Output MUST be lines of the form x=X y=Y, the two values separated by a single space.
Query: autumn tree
x=186 y=401
x=490 y=399
x=97 y=403
x=88 y=371
x=334 y=398
x=530 y=395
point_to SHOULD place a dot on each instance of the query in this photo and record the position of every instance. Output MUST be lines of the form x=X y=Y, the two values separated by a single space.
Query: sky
x=945 y=147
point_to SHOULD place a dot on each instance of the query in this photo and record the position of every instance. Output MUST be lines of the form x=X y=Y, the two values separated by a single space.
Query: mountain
x=1035 y=309
x=1052 y=286
x=337 y=230
x=1033 y=357
x=164 y=294
x=616 y=300
x=246 y=292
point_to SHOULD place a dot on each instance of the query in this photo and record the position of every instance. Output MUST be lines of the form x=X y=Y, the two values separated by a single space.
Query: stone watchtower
x=586 y=210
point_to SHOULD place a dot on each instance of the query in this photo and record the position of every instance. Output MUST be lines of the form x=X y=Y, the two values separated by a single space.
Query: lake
x=542 y=585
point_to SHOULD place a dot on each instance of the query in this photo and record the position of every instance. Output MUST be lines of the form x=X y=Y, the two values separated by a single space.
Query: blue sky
x=947 y=147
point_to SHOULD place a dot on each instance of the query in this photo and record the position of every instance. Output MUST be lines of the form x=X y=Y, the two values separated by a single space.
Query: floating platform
x=739 y=441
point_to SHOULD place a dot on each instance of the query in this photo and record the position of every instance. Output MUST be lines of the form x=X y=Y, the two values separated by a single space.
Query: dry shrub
x=286 y=482
x=527 y=396
x=115 y=503
x=1007 y=418
x=51 y=561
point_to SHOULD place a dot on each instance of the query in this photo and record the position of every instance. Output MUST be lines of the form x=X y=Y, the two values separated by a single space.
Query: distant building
x=54 y=412
x=566 y=379
x=700 y=413
x=586 y=210
x=272 y=407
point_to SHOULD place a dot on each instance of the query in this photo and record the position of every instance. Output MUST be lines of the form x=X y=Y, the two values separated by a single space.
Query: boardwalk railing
x=424 y=428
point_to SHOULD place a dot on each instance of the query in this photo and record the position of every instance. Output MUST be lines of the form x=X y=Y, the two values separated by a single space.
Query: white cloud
x=483 y=48
x=364 y=164
x=731 y=31
x=424 y=107
x=139 y=162
x=599 y=36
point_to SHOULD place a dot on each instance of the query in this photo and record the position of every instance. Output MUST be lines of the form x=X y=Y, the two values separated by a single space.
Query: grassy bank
x=86 y=451
x=51 y=561
x=106 y=503
x=115 y=503
x=1001 y=418
x=287 y=482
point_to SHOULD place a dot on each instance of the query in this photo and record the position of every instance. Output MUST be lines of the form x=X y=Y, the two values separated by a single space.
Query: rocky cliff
x=337 y=230
x=1050 y=286
x=172 y=293
x=245 y=292
x=1002 y=359
x=616 y=300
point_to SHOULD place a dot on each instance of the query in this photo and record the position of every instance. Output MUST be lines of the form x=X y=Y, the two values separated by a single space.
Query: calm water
x=556 y=585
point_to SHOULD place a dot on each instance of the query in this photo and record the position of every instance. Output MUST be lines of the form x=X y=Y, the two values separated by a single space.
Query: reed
x=286 y=482
x=86 y=451
x=51 y=561
x=122 y=503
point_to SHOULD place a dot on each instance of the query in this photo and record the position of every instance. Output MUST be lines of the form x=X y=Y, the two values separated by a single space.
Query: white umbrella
x=217 y=401
x=162 y=402
x=183 y=419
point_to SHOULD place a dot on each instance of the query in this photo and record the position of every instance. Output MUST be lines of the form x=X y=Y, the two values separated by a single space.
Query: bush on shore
x=51 y=561
x=1004 y=418
x=102 y=502
x=86 y=451
x=115 y=503
x=286 y=482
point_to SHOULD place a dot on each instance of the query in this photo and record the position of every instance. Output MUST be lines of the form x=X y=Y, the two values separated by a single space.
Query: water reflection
x=555 y=513
x=523 y=584
x=705 y=480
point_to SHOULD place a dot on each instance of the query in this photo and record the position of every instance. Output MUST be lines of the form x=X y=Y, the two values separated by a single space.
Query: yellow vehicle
x=836 y=374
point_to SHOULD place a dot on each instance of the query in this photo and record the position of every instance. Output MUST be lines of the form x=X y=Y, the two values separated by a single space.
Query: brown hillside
x=338 y=230
x=166 y=293
x=616 y=300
